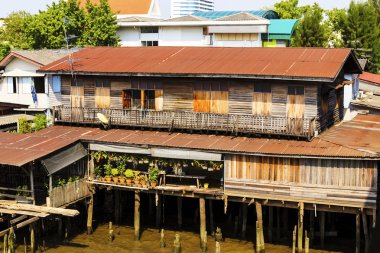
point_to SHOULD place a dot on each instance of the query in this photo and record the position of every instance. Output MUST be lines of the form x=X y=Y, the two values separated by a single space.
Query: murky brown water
x=150 y=242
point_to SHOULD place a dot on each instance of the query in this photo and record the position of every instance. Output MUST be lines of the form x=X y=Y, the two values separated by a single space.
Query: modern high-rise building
x=188 y=7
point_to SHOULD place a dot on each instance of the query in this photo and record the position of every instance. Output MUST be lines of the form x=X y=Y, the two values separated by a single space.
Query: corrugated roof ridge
x=372 y=153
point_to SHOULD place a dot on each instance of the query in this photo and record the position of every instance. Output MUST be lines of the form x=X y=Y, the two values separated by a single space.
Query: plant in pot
x=153 y=175
x=107 y=172
x=129 y=175
x=115 y=175
x=143 y=180
x=121 y=169
x=98 y=170
x=136 y=177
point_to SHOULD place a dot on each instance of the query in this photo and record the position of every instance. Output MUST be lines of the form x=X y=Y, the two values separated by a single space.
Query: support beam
x=32 y=238
x=311 y=225
x=357 y=232
x=270 y=229
x=20 y=225
x=117 y=206
x=322 y=217
x=179 y=211
x=278 y=226
x=365 y=230
x=260 y=244
x=32 y=183
x=202 y=217
x=137 y=216
x=244 y=223
x=211 y=216
x=90 y=211
x=300 y=227
x=158 y=210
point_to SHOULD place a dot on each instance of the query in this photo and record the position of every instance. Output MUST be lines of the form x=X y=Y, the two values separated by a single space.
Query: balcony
x=182 y=120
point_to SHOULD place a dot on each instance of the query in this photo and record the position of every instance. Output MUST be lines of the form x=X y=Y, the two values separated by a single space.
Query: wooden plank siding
x=178 y=96
x=117 y=88
x=351 y=181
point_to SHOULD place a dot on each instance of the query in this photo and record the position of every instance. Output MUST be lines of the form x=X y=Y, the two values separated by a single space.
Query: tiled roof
x=371 y=78
x=126 y=7
x=242 y=16
x=39 y=57
x=285 y=63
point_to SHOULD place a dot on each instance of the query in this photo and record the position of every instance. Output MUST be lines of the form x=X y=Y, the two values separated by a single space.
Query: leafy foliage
x=39 y=122
x=14 y=30
x=24 y=126
x=5 y=48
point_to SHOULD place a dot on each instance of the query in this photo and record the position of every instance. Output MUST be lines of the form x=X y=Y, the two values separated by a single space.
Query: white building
x=237 y=30
x=187 y=7
x=19 y=79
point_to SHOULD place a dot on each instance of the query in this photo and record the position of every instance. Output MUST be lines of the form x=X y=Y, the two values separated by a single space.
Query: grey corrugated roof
x=242 y=16
x=139 y=19
x=186 y=19
x=43 y=56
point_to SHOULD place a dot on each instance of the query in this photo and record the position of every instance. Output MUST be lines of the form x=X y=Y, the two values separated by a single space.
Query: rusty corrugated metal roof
x=284 y=63
x=363 y=132
x=20 y=149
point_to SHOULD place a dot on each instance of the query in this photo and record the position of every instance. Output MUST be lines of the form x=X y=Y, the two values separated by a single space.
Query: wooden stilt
x=60 y=227
x=111 y=234
x=179 y=211
x=162 y=239
x=244 y=224
x=25 y=246
x=5 y=245
x=202 y=216
x=177 y=244
x=137 y=216
x=322 y=228
x=270 y=228
x=300 y=227
x=311 y=225
x=90 y=210
x=294 y=239
x=67 y=227
x=285 y=216
x=117 y=207
x=357 y=232
x=158 y=211
x=236 y=224
x=260 y=244
x=278 y=226
x=32 y=238
x=365 y=230
x=217 y=247
x=306 y=243
x=211 y=216
x=11 y=237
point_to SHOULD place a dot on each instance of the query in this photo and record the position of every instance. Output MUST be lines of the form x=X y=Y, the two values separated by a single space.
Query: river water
x=150 y=242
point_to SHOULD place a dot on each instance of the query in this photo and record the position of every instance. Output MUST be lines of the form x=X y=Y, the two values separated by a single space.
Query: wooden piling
x=158 y=210
x=11 y=237
x=260 y=244
x=5 y=245
x=162 y=239
x=117 y=207
x=137 y=216
x=294 y=238
x=179 y=211
x=111 y=234
x=244 y=222
x=60 y=227
x=204 y=242
x=285 y=216
x=306 y=243
x=322 y=228
x=270 y=224
x=236 y=224
x=177 y=244
x=278 y=226
x=202 y=217
x=25 y=246
x=357 y=232
x=217 y=247
x=365 y=230
x=211 y=216
x=32 y=238
x=300 y=227
x=311 y=226
x=90 y=210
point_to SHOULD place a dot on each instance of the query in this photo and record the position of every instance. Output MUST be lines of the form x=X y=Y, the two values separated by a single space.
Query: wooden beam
x=137 y=216
x=357 y=248
x=18 y=219
x=90 y=211
x=202 y=217
x=300 y=227
x=20 y=225
x=18 y=208
x=13 y=212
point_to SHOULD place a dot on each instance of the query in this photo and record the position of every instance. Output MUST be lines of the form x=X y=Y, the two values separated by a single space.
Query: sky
x=32 y=6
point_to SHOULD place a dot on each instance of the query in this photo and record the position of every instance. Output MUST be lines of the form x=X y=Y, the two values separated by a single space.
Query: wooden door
x=262 y=104
x=102 y=98
x=126 y=99
x=77 y=102
x=158 y=100
x=295 y=113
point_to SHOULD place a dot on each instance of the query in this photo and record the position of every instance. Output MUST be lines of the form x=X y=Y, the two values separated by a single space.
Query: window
x=296 y=90
x=265 y=88
x=211 y=87
x=142 y=99
x=12 y=84
x=149 y=43
x=149 y=29
x=39 y=84
x=103 y=83
x=77 y=82
x=146 y=84
x=56 y=80
x=210 y=97
x=26 y=83
x=236 y=36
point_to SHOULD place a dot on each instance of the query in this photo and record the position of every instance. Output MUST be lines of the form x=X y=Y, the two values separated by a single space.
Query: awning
x=119 y=149
x=185 y=154
x=19 y=72
x=64 y=158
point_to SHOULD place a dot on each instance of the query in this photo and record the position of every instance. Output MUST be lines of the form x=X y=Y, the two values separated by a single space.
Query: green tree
x=100 y=25
x=311 y=30
x=5 y=48
x=361 y=32
x=289 y=9
x=14 y=30
x=334 y=26
x=50 y=27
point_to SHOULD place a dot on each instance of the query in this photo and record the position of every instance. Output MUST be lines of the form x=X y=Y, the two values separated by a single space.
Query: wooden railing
x=234 y=123
x=69 y=193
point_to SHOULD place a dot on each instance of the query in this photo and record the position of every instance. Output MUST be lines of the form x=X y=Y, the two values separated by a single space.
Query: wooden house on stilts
x=237 y=125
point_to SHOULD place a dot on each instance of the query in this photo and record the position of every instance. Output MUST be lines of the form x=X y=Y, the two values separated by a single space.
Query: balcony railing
x=182 y=120
x=68 y=194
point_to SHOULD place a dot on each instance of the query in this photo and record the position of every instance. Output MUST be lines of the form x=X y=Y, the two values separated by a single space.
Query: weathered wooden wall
x=346 y=182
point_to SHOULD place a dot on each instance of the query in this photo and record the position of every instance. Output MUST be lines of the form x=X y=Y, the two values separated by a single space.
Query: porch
x=184 y=120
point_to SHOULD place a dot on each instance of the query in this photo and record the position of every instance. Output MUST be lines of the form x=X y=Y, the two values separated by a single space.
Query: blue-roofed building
x=280 y=32
x=213 y=15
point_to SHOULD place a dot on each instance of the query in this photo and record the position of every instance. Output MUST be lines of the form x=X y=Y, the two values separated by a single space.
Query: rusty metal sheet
x=280 y=62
